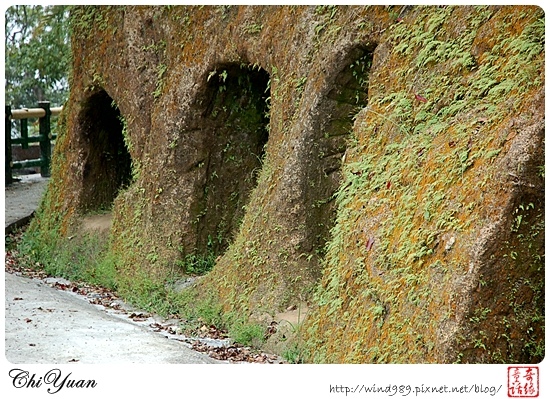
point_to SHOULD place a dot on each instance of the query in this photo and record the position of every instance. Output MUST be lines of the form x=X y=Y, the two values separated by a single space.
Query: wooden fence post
x=45 y=144
x=24 y=125
x=9 y=177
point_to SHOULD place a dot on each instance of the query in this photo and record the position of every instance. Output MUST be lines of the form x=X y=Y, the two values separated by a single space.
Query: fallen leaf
x=272 y=329
x=156 y=327
x=61 y=286
x=139 y=316
x=420 y=98
x=370 y=243
x=511 y=135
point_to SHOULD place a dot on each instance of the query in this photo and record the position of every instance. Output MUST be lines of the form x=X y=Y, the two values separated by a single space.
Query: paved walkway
x=46 y=325
x=23 y=198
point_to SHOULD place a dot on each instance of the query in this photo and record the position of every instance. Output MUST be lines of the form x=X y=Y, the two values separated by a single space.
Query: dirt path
x=46 y=325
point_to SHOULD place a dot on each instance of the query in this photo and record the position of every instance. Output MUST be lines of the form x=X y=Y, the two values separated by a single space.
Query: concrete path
x=47 y=325
x=23 y=198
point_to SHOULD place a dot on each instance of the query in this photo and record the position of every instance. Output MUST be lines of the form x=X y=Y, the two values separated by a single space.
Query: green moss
x=403 y=186
x=420 y=178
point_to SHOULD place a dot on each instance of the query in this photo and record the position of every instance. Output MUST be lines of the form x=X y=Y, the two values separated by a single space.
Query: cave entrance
x=236 y=125
x=346 y=95
x=107 y=162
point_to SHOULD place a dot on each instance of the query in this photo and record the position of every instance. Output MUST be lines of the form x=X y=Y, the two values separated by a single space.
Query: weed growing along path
x=53 y=320
x=48 y=325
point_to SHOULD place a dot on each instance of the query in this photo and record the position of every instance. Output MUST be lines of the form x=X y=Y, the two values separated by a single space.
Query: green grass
x=87 y=259
x=293 y=354
x=247 y=334
x=197 y=264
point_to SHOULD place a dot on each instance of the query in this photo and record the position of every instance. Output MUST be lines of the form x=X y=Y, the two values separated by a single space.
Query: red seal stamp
x=523 y=382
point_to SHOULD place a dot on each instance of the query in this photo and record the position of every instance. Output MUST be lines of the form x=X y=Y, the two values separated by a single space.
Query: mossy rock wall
x=383 y=164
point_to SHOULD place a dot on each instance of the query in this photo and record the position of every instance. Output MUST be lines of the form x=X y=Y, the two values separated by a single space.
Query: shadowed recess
x=235 y=122
x=107 y=162
x=347 y=94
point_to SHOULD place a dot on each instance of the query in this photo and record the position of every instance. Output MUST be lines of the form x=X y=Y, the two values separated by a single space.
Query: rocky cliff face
x=383 y=164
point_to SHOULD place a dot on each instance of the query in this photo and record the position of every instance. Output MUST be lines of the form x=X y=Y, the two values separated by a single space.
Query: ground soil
x=99 y=223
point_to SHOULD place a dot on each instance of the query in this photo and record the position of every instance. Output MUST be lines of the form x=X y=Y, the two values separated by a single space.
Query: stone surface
x=45 y=325
x=425 y=245
x=23 y=197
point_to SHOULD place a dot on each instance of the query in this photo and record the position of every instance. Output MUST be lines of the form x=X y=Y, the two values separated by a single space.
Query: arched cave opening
x=107 y=163
x=236 y=126
x=346 y=95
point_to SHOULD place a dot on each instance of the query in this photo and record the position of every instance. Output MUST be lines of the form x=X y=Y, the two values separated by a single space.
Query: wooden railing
x=44 y=138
